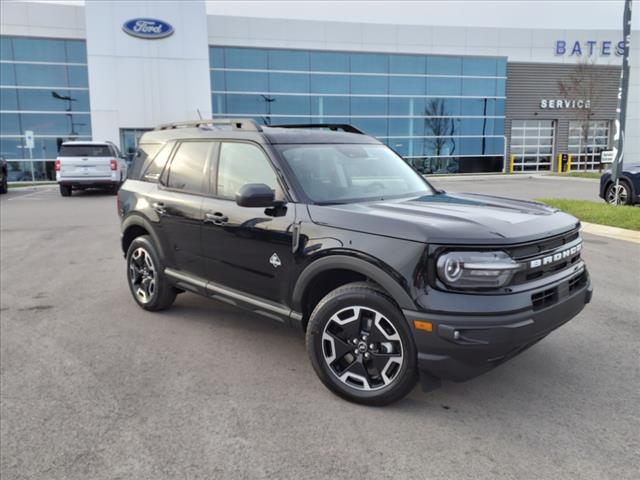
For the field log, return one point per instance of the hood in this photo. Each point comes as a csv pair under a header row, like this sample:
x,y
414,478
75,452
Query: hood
x,y
449,219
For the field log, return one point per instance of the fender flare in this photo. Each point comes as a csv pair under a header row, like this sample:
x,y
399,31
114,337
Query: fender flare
x,y
355,264
139,221
631,186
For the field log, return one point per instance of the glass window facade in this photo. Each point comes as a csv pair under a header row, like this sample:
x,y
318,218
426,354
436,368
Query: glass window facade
x,y
44,87
442,113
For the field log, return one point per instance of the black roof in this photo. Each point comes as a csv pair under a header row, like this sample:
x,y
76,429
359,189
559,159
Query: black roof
x,y
242,128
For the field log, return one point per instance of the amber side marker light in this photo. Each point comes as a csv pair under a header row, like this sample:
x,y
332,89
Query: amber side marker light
x,y
426,326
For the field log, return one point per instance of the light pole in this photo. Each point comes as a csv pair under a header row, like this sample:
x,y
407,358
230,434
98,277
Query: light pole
x,y
621,110
268,100
69,109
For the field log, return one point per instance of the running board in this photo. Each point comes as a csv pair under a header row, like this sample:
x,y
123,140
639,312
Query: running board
x,y
230,296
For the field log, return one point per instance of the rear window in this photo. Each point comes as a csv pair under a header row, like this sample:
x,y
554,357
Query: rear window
x,y
85,151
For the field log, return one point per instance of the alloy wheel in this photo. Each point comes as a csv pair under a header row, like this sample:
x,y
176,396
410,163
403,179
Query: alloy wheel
x,y
362,348
621,191
142,275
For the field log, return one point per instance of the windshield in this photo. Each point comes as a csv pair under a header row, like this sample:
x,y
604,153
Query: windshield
x,y
349,173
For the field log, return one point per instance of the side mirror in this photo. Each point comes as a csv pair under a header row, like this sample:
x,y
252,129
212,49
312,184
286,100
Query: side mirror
x,y
255,195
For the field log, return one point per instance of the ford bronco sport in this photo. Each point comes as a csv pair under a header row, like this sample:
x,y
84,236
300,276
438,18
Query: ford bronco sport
x,y
327,229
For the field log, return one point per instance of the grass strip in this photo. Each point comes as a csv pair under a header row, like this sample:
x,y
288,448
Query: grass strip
x,y
622,216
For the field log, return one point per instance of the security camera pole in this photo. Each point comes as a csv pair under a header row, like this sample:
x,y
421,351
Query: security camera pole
x,y
621,110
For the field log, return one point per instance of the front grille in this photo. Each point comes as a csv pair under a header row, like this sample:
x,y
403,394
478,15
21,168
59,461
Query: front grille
x,y
526,253
541,247
545,298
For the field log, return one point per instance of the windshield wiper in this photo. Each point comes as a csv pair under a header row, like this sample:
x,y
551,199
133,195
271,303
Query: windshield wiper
x,y
330,203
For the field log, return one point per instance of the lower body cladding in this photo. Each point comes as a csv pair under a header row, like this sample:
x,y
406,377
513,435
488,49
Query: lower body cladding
x,y
459,347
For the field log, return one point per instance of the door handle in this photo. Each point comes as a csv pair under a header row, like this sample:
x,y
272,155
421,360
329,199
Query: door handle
x,y
159,208
217,218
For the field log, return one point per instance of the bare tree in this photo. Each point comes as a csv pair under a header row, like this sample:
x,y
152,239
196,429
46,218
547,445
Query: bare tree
x,y
583,87
440,126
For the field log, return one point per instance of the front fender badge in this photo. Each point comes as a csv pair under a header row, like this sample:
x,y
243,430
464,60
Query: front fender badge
x,y
275,261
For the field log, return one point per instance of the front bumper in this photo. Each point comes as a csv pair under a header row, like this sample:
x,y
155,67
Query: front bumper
x,y
462,346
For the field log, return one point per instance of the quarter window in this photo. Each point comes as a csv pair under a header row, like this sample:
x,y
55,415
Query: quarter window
x,y
140,162
242,163
186,171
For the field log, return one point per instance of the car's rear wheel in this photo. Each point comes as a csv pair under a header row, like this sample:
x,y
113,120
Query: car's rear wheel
x,y
65,190
148,285
623,193
361,347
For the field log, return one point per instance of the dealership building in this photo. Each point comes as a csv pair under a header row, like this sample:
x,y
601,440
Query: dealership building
x,y
449,99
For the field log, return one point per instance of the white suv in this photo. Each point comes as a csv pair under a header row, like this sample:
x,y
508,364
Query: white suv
x,y
84,164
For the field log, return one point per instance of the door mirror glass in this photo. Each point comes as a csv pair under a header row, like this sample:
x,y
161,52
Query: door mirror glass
x,y
255,195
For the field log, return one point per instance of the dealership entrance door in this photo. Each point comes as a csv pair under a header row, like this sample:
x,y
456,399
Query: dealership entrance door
x,y
532,143
129,138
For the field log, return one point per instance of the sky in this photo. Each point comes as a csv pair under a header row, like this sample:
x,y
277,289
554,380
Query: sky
x,y
569,14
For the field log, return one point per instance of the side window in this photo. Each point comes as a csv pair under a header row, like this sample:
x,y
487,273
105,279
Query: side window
x,y
186,171
242,163
154,168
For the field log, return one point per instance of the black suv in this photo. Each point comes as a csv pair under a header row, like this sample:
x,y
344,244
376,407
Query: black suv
x,y
327,229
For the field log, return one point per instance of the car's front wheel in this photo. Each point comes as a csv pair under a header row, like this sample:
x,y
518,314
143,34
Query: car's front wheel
x,y
623,193
361,347
148,285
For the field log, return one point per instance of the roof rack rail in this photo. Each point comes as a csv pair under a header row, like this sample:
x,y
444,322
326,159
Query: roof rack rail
x,y
234,123
345,127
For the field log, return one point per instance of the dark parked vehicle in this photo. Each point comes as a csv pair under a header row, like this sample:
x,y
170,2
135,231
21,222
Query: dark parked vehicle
x,y
628,185
327,229
4,174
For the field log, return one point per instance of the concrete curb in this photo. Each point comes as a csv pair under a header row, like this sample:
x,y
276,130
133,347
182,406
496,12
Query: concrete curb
x,y
611,232
472,176
573,179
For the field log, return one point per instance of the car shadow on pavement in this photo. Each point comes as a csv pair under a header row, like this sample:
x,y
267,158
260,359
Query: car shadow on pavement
x,y
536,377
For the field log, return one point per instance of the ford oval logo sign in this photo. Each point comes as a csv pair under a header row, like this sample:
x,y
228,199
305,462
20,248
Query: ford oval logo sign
x,y
149,28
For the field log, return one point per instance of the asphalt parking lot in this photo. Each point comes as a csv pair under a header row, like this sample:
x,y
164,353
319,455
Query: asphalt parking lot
x,y
525,187
93,387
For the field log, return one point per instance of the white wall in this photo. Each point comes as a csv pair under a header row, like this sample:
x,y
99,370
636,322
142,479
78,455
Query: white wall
x,y
518,44
141,83
632,142
41,20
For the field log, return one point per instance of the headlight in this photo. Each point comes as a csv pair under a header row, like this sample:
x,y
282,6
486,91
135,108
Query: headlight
x,y
476,269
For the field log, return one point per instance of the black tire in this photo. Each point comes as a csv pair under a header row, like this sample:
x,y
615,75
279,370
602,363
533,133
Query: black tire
x,y
4,187
163,294
625,192
346,299
65,190
113,189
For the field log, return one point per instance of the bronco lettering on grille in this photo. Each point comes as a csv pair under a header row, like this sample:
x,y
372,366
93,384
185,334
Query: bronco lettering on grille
x,y
556,257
